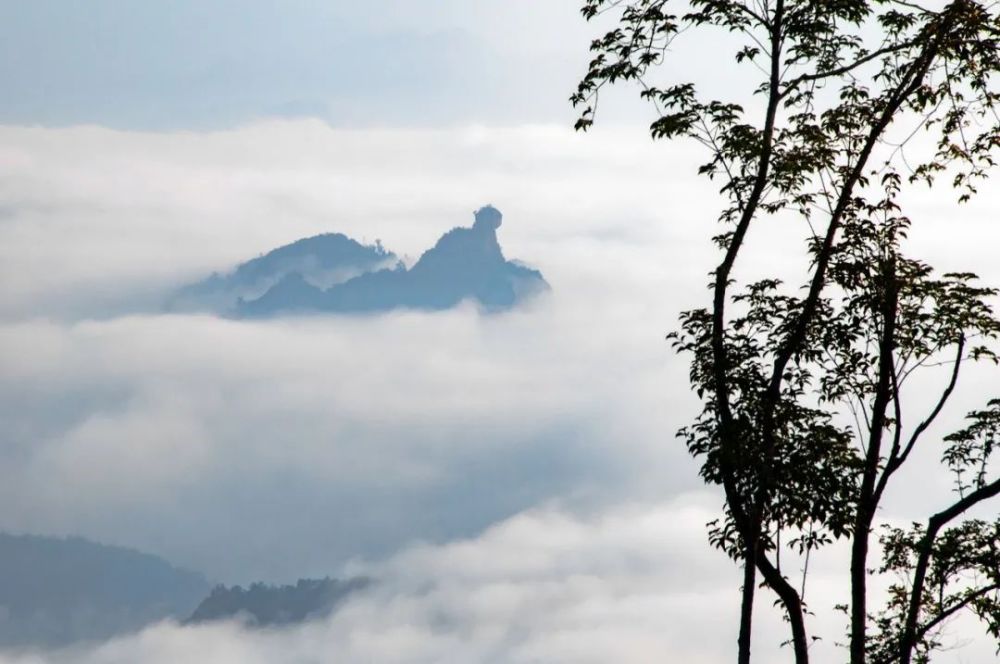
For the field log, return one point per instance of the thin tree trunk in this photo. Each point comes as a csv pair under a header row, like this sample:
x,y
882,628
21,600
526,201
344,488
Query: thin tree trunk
x,y
793,607
866,497
746,607
859,590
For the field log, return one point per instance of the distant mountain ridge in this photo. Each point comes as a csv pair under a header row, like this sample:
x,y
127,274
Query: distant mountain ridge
x,y
55,591
464,264
263,605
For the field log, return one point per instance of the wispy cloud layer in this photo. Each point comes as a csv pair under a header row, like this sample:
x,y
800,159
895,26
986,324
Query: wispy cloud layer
x,y
629,585
632,584
210,440
272,450
91,217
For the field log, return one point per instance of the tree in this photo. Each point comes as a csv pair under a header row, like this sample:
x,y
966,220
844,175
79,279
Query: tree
x,y
806,420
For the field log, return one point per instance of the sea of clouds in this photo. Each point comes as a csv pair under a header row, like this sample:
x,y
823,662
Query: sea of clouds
x,y
512,480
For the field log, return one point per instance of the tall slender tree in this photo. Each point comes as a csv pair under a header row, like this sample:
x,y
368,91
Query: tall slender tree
x,y
805,421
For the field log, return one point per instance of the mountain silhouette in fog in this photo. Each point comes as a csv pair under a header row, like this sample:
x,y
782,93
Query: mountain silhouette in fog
x,y
57,591
324,260
335,274
263,605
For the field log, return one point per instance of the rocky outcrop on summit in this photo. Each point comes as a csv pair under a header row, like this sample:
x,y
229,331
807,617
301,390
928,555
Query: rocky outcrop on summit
x,y
465,264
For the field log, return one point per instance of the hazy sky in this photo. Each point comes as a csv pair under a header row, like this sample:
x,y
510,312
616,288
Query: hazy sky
x,y
512,479
213,63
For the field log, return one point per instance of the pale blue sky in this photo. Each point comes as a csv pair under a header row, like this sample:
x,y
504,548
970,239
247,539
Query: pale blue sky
x,y
208,64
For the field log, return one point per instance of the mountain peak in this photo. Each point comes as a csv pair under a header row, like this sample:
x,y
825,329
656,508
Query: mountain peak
x,y
466,263
487,217
333,273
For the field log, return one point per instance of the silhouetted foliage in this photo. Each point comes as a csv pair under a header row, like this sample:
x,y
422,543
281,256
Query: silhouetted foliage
x,y
805,419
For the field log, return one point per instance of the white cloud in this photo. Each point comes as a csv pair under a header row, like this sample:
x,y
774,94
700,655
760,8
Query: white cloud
x,y
397,423
97,215
631,585
207,439
280,449
635,584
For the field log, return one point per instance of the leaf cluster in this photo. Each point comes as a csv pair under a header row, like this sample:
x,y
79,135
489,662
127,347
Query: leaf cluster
x,y
803,420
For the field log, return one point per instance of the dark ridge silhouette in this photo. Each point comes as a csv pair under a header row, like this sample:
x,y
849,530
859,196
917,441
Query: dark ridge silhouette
x,y
263,605
54,591
323,260
465,264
